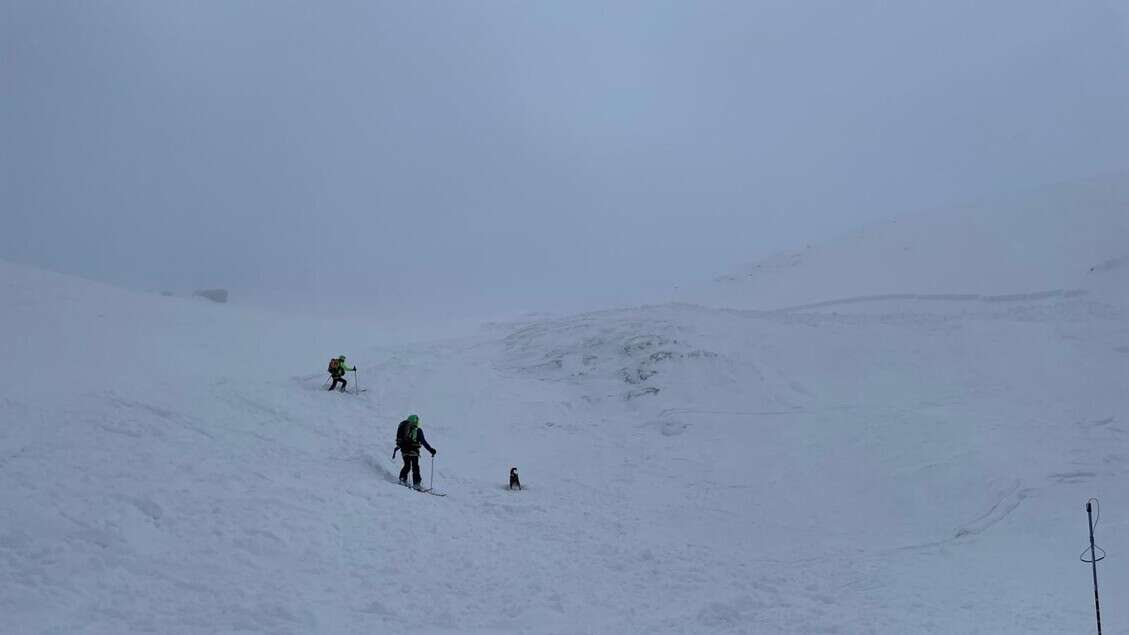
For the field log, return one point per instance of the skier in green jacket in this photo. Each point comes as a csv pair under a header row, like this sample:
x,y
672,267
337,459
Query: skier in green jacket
x,y
337,370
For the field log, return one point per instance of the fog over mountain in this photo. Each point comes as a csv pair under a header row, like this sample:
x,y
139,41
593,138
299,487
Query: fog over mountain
x,y
793,317
476,157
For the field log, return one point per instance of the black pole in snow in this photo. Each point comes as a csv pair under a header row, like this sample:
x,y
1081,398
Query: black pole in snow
x,y
1094,565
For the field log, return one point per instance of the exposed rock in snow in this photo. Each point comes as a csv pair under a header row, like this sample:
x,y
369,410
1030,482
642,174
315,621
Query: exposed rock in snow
x,y
215,295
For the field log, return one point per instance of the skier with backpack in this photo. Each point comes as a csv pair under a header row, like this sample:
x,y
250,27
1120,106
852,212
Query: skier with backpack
x,y
409,438
337,370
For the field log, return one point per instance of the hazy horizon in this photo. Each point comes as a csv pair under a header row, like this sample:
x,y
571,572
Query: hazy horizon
x,y
523,156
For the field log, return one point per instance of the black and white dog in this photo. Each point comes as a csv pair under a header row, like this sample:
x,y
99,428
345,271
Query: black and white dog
x,y
515,482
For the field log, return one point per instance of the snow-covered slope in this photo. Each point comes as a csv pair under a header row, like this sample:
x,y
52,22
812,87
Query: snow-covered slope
x,y
1054,240
886,466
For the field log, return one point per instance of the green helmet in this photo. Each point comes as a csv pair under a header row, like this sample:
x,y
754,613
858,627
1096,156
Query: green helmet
x,y
341,357
413,419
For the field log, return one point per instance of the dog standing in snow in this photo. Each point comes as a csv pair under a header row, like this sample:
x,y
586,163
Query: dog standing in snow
x,y
515,482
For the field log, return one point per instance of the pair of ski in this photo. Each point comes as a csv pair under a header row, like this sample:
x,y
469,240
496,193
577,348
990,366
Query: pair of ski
x,y
429,490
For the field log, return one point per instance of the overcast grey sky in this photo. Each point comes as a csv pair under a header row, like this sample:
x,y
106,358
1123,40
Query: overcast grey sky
x,y
523,155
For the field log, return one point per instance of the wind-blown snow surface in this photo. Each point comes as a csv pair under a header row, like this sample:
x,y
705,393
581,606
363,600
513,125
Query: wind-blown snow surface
x,y
905,466
1059,238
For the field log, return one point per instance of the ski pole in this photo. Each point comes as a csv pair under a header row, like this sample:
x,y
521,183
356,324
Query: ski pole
x,y
1094,563
356,383
432,488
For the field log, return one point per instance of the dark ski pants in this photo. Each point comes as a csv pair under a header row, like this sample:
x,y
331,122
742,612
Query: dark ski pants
x,y
339,379
411,463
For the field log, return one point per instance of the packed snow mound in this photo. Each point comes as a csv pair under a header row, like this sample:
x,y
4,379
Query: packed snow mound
x,y
1061,239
